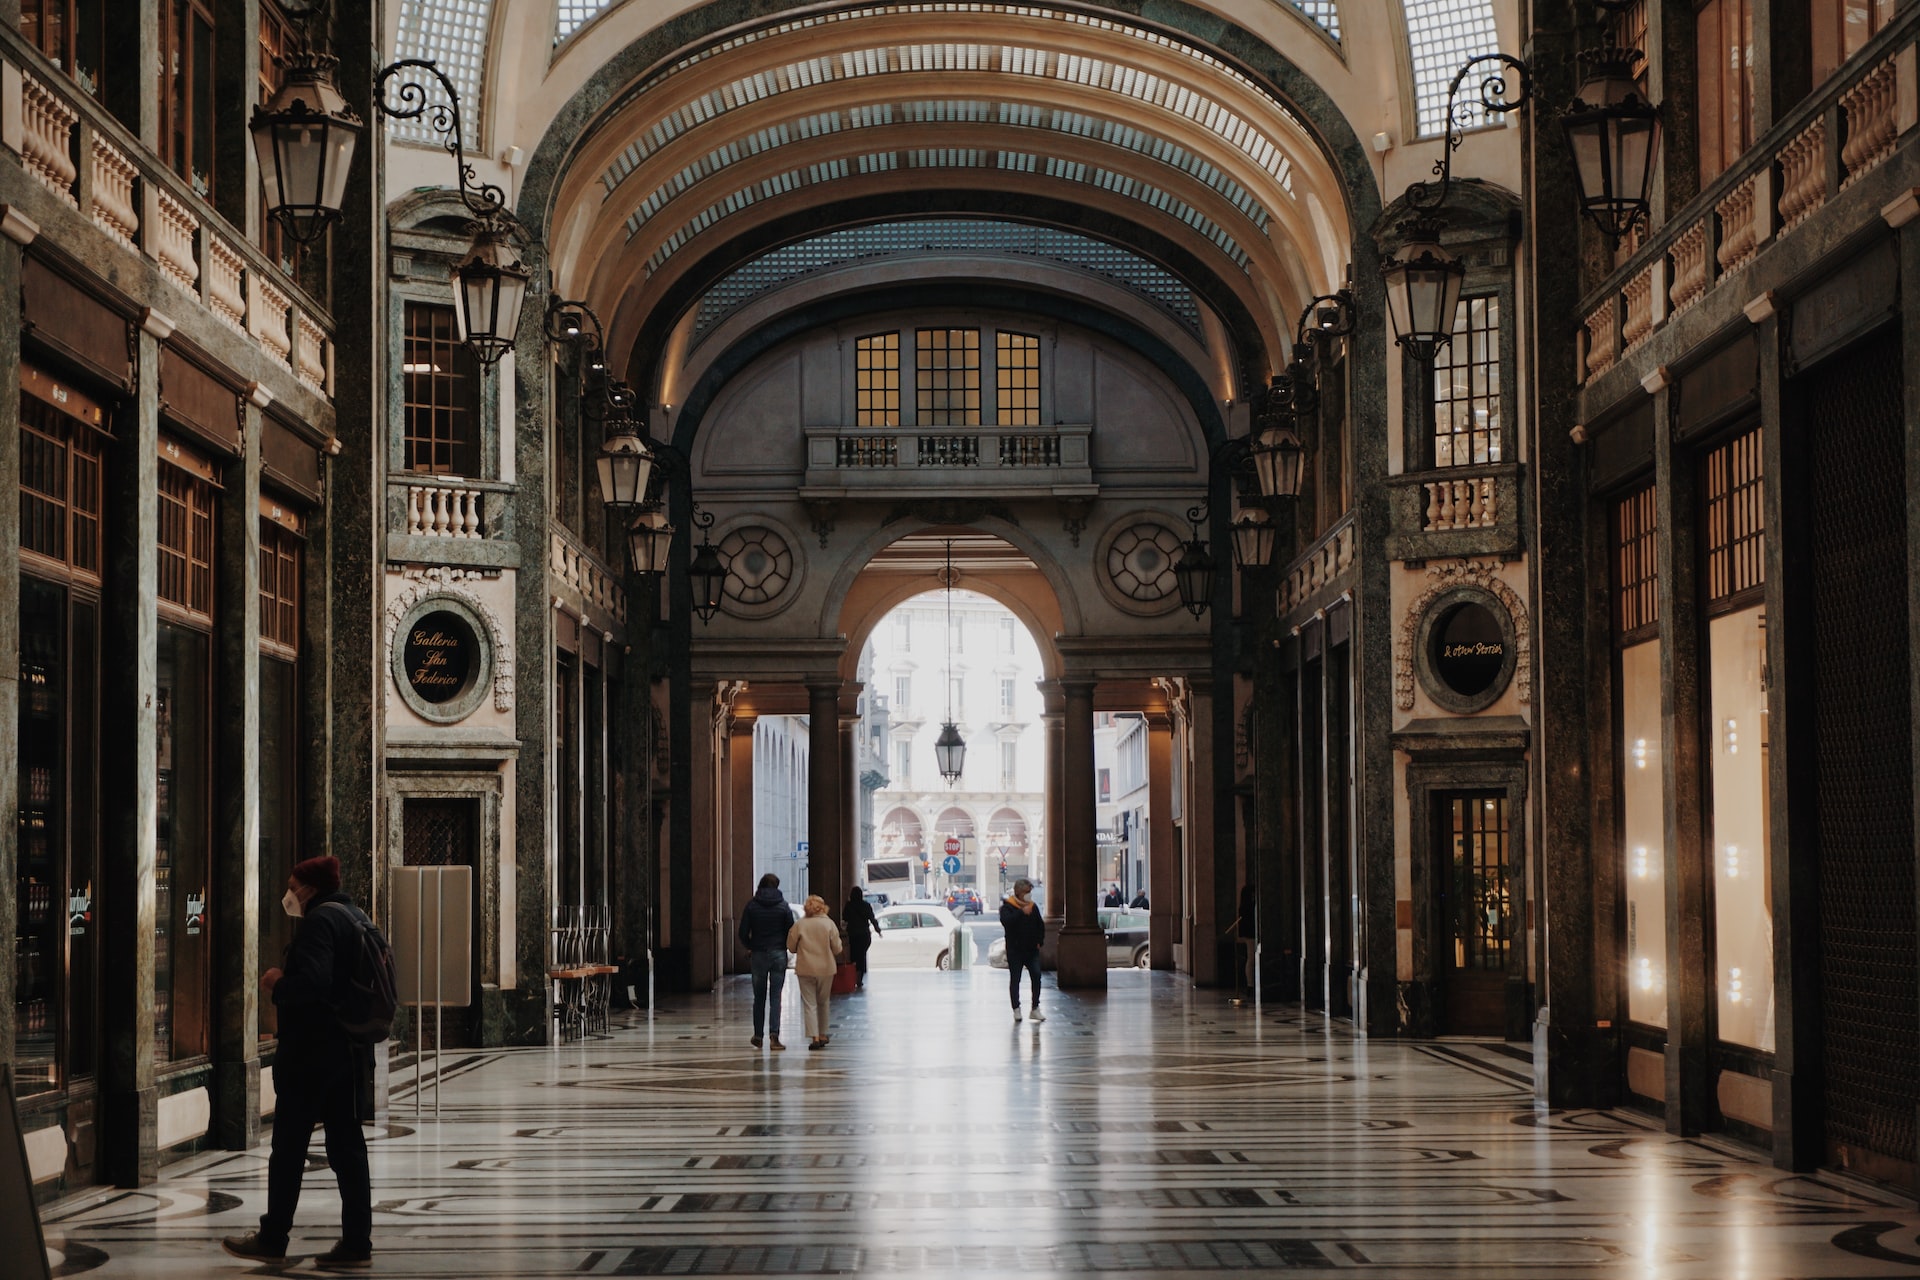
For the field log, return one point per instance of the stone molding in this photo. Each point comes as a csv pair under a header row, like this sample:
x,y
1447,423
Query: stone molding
x,y
1442,578
436,582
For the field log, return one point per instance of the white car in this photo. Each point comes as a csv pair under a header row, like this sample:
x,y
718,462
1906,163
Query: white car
x,y
914,936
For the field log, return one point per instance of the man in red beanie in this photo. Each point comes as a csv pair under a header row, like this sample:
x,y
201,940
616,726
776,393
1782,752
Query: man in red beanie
x,y
319,1075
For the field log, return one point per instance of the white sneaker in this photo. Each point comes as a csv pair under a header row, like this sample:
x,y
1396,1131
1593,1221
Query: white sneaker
x,y
1016,1013
1035,1014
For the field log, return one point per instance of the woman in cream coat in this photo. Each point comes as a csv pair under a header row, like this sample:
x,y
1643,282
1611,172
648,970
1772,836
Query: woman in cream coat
x,y
815,941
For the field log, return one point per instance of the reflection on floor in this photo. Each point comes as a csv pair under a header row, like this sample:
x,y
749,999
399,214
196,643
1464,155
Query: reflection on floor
x,y
1155,1131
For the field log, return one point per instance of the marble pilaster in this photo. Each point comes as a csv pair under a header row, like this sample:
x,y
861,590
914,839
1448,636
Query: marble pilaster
x,y
11,245
826,791
1082,946
1163,865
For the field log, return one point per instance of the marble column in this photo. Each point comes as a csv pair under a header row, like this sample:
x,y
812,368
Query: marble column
x,y
236,874
1083,947
849,809
739,880
1054,853
1211,959
1690,981
17,233
1163,860
129,1100
824,791
707,768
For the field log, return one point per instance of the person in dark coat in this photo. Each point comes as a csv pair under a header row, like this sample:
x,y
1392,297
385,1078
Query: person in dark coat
x,y
1113,898
763,932
859,919
1139,902
319,1075
1026,931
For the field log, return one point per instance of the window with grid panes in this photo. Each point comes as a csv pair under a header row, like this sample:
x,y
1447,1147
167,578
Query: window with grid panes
x,y
1017,378
276,36
1441,35
277,761
59,488
1636,580
1642,789
279,589
1735,519
1841,27
72,33
947,377
186,542
186,91
442,395
876,380
1723,32
1466,388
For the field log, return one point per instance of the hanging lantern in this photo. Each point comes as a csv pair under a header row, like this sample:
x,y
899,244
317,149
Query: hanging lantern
x,y
650,539
1614,134
950,752
304,139
489,286
1193,574
708,577
1423,289
625,465
1253,536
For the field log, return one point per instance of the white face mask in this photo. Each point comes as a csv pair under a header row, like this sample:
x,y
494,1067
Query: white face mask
x,y
290,904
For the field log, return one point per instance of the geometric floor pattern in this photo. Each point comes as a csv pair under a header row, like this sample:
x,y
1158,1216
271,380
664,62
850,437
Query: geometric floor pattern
x,y
1155,1131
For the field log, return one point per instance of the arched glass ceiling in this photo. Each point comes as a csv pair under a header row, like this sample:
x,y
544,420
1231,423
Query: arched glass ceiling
x,y
770,271
571,15
1443,34
452,34
944,158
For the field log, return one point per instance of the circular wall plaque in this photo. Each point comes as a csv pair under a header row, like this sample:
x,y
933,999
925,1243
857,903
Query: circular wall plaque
x,y
442,659
1466,650
439,653
1139,554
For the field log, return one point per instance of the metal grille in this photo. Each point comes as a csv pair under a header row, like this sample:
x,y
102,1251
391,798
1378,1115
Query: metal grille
x,y
1480,871
1736,519
1862,761
439,833
59,488
279,587
1636,573
876,373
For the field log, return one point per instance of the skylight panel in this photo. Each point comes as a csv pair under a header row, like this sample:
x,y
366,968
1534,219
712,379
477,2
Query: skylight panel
x,y
453,35
1442,35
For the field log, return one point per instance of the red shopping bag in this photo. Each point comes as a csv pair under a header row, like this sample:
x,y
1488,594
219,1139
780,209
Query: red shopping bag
x,y
844,978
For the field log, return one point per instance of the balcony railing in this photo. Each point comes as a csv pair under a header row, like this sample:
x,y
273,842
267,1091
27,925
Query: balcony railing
x,y
578,570
77,151
1843,131
876,461
1455,511
1318,567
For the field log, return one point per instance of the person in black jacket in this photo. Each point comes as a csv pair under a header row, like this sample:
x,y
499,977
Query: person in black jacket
x,y
763,932
319,1075
1026,930
859,919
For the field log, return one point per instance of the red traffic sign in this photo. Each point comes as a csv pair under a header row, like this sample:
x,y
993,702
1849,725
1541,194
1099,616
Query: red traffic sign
x,y
952,845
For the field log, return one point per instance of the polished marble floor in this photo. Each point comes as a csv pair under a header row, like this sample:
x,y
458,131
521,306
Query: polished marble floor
x,y
1156,1131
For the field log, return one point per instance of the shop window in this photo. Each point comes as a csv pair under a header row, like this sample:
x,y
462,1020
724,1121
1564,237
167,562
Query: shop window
x,y
281,552
1642,787
442,395
72,33
1723,32
183,704
1466,388
876,380
1017,379
947,377
186,91
57,922
1735,537
1840,28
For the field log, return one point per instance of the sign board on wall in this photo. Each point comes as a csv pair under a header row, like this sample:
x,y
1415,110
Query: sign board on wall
x,y
432,935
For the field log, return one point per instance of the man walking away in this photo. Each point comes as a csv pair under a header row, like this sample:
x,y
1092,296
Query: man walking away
x,y
1026,931
320,1075
763,932
862,927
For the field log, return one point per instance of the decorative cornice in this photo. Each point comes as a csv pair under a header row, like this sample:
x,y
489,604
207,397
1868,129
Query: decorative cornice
x,y
17,226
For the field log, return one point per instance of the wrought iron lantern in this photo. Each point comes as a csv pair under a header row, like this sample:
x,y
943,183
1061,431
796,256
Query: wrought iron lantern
x,y
1193,572
1423,280
1253,538
707,574
650,539
1279,461
490,283
304,137
1614,134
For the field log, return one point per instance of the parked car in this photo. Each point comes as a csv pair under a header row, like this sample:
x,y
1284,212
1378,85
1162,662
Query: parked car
x,y
1126,932
915,936
965,902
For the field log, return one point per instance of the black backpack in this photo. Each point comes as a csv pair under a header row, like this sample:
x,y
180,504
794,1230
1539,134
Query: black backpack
x,y
373,993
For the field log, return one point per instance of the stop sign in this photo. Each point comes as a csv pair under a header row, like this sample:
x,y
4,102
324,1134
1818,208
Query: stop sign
x,y
952,845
